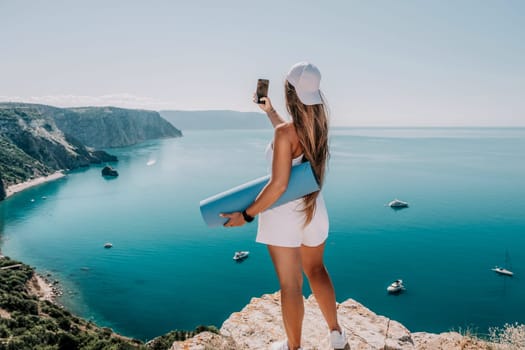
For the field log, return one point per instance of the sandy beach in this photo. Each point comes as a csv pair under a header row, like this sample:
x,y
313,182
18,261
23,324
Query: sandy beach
x,y
30,183
41,288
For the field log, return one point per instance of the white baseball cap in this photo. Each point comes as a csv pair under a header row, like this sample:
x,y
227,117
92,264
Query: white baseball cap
x,y
305,78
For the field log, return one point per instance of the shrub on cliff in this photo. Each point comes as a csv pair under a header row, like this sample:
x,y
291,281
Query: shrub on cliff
x,y
510,336
37,325
166,341
33,324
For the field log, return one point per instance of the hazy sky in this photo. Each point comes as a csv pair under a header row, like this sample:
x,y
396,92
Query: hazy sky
x,y
394,63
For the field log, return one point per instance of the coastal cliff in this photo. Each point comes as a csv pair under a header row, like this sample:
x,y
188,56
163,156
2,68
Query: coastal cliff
x,y
259,324
31,144
104,127
37,140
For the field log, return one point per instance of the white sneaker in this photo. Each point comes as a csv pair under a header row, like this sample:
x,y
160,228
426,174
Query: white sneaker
x,y
280,345
338,340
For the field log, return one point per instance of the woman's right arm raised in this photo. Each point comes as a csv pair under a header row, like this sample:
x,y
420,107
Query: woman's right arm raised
x,y
272,114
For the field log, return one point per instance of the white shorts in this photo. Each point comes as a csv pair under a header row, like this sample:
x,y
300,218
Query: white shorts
x,y
282,226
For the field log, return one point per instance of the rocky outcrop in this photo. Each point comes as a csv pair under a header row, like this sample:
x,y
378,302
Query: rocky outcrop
x,y
259,324
449,340
104,127
109,171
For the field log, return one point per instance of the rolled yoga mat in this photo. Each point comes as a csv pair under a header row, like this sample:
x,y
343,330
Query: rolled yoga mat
x,y
302,182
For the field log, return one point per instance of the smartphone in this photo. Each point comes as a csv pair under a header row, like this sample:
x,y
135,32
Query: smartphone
x,y
262,89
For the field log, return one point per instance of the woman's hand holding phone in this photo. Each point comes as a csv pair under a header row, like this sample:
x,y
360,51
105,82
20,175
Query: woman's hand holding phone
x,y
266,104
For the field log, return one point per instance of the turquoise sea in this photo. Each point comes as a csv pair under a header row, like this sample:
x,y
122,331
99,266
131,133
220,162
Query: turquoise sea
x,y
167,270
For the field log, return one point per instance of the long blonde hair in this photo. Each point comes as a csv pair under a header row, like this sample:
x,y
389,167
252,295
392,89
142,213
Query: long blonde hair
x,y
311,125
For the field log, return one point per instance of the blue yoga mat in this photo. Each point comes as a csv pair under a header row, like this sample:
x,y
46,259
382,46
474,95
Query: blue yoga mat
x,y
302,182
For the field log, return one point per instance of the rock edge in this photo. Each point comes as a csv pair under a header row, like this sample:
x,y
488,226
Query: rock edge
x,y
259,324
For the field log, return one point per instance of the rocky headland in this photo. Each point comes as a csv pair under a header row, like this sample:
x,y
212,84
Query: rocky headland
x,y
38,140
259,324
105,127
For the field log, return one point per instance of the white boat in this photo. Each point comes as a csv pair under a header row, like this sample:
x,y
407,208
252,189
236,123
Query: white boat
x,y
396,203
502,271
396,287
108,245
240,255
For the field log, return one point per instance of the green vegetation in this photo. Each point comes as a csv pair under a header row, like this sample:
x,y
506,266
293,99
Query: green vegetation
x,y
16,165
164,342
27,323
32,324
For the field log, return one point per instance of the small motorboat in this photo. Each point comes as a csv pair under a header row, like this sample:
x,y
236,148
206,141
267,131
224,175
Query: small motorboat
x,y
502,271
241,255
108,245
396,287
396,203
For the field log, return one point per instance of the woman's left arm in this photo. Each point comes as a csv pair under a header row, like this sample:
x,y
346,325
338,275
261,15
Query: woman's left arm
x,y
281,168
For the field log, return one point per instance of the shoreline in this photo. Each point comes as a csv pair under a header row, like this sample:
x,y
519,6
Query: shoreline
x,y
43,289
13,189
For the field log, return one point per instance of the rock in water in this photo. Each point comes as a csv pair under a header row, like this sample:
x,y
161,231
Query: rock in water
x,y
109,171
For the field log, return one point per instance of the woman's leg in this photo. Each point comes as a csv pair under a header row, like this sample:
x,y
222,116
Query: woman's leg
x,y
320,283
287,263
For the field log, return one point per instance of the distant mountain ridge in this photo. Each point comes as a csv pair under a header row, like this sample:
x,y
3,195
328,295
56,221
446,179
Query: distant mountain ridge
x,y
216,119
37,140
104,127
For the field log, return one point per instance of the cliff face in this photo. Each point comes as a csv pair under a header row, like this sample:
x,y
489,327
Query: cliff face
x,y
103,127
259,324
31,144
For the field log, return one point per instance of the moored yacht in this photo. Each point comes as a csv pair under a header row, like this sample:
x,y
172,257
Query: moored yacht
x,y
396,287
502,271
240,255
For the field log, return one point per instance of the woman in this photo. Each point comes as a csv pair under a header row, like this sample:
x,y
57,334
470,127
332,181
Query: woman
x,y
295,232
